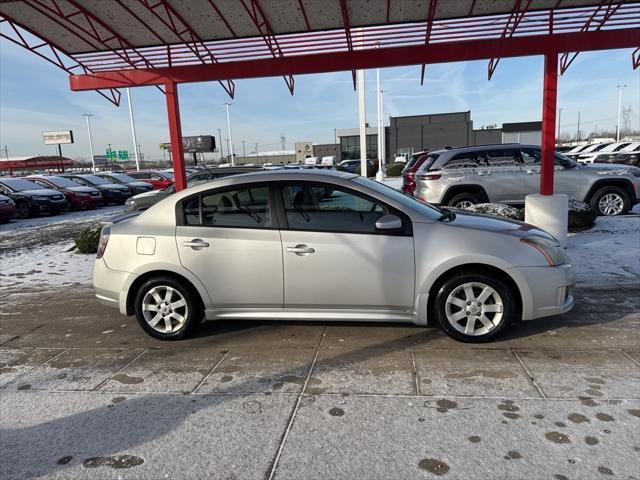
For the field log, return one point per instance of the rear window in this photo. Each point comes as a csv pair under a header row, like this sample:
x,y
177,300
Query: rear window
x,y
621,146
415,160
61,182
19,184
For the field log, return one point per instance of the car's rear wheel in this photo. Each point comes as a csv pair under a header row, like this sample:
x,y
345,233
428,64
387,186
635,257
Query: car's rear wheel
x,y
474,307
611,201
167,310
463,200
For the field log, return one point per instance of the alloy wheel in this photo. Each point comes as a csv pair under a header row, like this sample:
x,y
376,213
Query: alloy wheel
x,y
474,308
464,204
165,309
22,209
611,204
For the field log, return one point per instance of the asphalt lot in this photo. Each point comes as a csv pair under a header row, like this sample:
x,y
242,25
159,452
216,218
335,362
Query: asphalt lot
x,y
84,393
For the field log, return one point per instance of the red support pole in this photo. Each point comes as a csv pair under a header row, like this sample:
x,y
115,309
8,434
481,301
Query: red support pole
x,y
175,133
549,103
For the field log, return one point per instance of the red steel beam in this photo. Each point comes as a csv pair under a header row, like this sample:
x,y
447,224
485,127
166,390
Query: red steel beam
x,y
259,19
171,19
431,15
565,60
304,15
635,57
364,59
175,134
549,104
517,14
347,31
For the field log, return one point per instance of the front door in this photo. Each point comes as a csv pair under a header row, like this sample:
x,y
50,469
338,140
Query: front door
x,y
335,258
227,239
565,180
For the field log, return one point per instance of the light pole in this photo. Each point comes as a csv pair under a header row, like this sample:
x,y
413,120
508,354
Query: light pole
x,y
228,150
620,87
133,129
220,139
244,152
230,137
559,122
93,162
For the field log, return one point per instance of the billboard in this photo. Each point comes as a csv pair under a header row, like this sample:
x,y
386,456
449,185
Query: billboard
x,y
57,138
200,143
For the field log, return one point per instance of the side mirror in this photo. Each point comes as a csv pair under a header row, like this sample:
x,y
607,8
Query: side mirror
x,y
389,222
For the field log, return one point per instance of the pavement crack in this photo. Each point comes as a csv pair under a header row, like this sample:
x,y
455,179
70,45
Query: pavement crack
x,y
102,383
528,373
206,377
33,368
415,373
630,357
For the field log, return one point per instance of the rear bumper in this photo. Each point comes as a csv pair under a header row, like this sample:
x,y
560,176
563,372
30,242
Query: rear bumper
x,y
110,285
545,291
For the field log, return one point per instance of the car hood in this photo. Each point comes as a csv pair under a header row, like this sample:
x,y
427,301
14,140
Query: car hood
x,y
45,192
487,223
81,189
139,184
151,193
112,186
610,169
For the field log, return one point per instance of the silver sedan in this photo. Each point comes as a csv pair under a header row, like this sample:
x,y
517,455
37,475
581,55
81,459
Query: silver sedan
x,y
311,245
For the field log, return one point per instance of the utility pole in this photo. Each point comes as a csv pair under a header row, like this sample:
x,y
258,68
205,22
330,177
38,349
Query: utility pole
x,y
230,149
620,87
283,142
220,139
133,129
93,163
6,152
244,152
578,132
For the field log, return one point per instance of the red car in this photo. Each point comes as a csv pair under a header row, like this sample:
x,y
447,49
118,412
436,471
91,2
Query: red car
x,y
409,172
159,180
78,196
7,209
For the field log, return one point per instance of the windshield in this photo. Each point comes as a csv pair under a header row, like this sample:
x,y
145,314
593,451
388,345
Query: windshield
x,y
19,184
426,209
122,178
563,160
95,179
61,182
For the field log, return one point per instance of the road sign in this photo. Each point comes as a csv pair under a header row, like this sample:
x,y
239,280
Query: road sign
x,y
123,155
100,160
111,154
165,146
57,138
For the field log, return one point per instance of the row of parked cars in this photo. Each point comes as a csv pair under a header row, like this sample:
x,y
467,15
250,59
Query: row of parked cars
x,y
24,197
624,153
506,173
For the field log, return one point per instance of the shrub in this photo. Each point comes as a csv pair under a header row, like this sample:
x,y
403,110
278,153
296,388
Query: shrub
x,y
395,169
497,210
87,240
371,170
581,214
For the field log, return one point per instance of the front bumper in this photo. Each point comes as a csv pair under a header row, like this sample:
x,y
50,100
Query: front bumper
x,y
53,206
115,197
545,291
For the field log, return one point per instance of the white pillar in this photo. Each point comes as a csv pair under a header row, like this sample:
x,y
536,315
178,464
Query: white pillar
x,y
380,175
362,122
133,130
550,213
230,137
93,162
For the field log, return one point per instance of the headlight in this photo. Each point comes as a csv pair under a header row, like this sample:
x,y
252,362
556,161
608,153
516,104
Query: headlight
x,y
553,253
129,201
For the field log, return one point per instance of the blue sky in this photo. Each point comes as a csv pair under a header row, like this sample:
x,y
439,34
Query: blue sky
x,y
35,96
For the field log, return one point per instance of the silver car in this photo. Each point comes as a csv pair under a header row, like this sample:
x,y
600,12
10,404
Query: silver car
x,y
317,245
461,177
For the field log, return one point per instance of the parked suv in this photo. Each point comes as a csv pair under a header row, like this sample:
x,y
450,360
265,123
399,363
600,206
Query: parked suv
x,y
461,177
408,173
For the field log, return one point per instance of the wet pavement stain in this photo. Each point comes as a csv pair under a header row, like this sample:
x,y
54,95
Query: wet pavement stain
x,y
26,386
126,379
605,470
474,439
597,380
578,418
116,461
560,424
445,405
336,412
591,441
277,385
588,402
226,378
557,437
252,406
539,416
434,466
510,415
634,412
604,417
594,393
64,460
508,407
513,455
559,476
115,400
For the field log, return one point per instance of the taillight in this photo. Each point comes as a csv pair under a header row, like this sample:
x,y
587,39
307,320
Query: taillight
x,y
104,239
430,176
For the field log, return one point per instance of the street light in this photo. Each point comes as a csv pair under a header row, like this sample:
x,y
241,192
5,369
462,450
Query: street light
x,y
619,87
93,163
230,137
220,139
244,153
133,130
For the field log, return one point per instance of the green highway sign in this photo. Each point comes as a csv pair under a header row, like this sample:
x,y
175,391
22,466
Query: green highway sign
x,y
111,154
123,155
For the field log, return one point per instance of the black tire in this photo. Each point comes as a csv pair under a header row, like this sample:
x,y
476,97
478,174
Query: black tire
x,y
194,311
500,323
22,210
463,197
611,190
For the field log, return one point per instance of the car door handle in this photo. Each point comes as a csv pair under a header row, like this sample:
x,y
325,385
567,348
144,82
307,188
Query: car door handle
x,y
533,172
300,250
195,243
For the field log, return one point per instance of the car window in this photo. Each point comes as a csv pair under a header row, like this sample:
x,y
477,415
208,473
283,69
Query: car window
x,y
465,160
96,180
503,157
61,182
322,207
19,184
243,208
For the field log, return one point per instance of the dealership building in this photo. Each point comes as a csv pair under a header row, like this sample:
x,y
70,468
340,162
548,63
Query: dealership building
x,y
409,134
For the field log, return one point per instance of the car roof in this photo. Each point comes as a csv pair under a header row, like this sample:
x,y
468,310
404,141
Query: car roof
x,y
488,146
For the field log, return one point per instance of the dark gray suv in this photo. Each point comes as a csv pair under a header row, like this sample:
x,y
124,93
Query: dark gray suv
x,y
461,177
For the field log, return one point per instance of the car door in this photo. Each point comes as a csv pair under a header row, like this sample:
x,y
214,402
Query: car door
x,y
505,178
228,238
565,180
334,258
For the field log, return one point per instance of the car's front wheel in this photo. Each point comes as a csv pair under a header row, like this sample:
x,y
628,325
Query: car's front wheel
x,y
474,307
611,201
166,309
22,210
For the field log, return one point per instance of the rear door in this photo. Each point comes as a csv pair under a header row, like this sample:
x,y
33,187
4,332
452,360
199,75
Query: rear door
x,y
505,176
229,239
335,258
